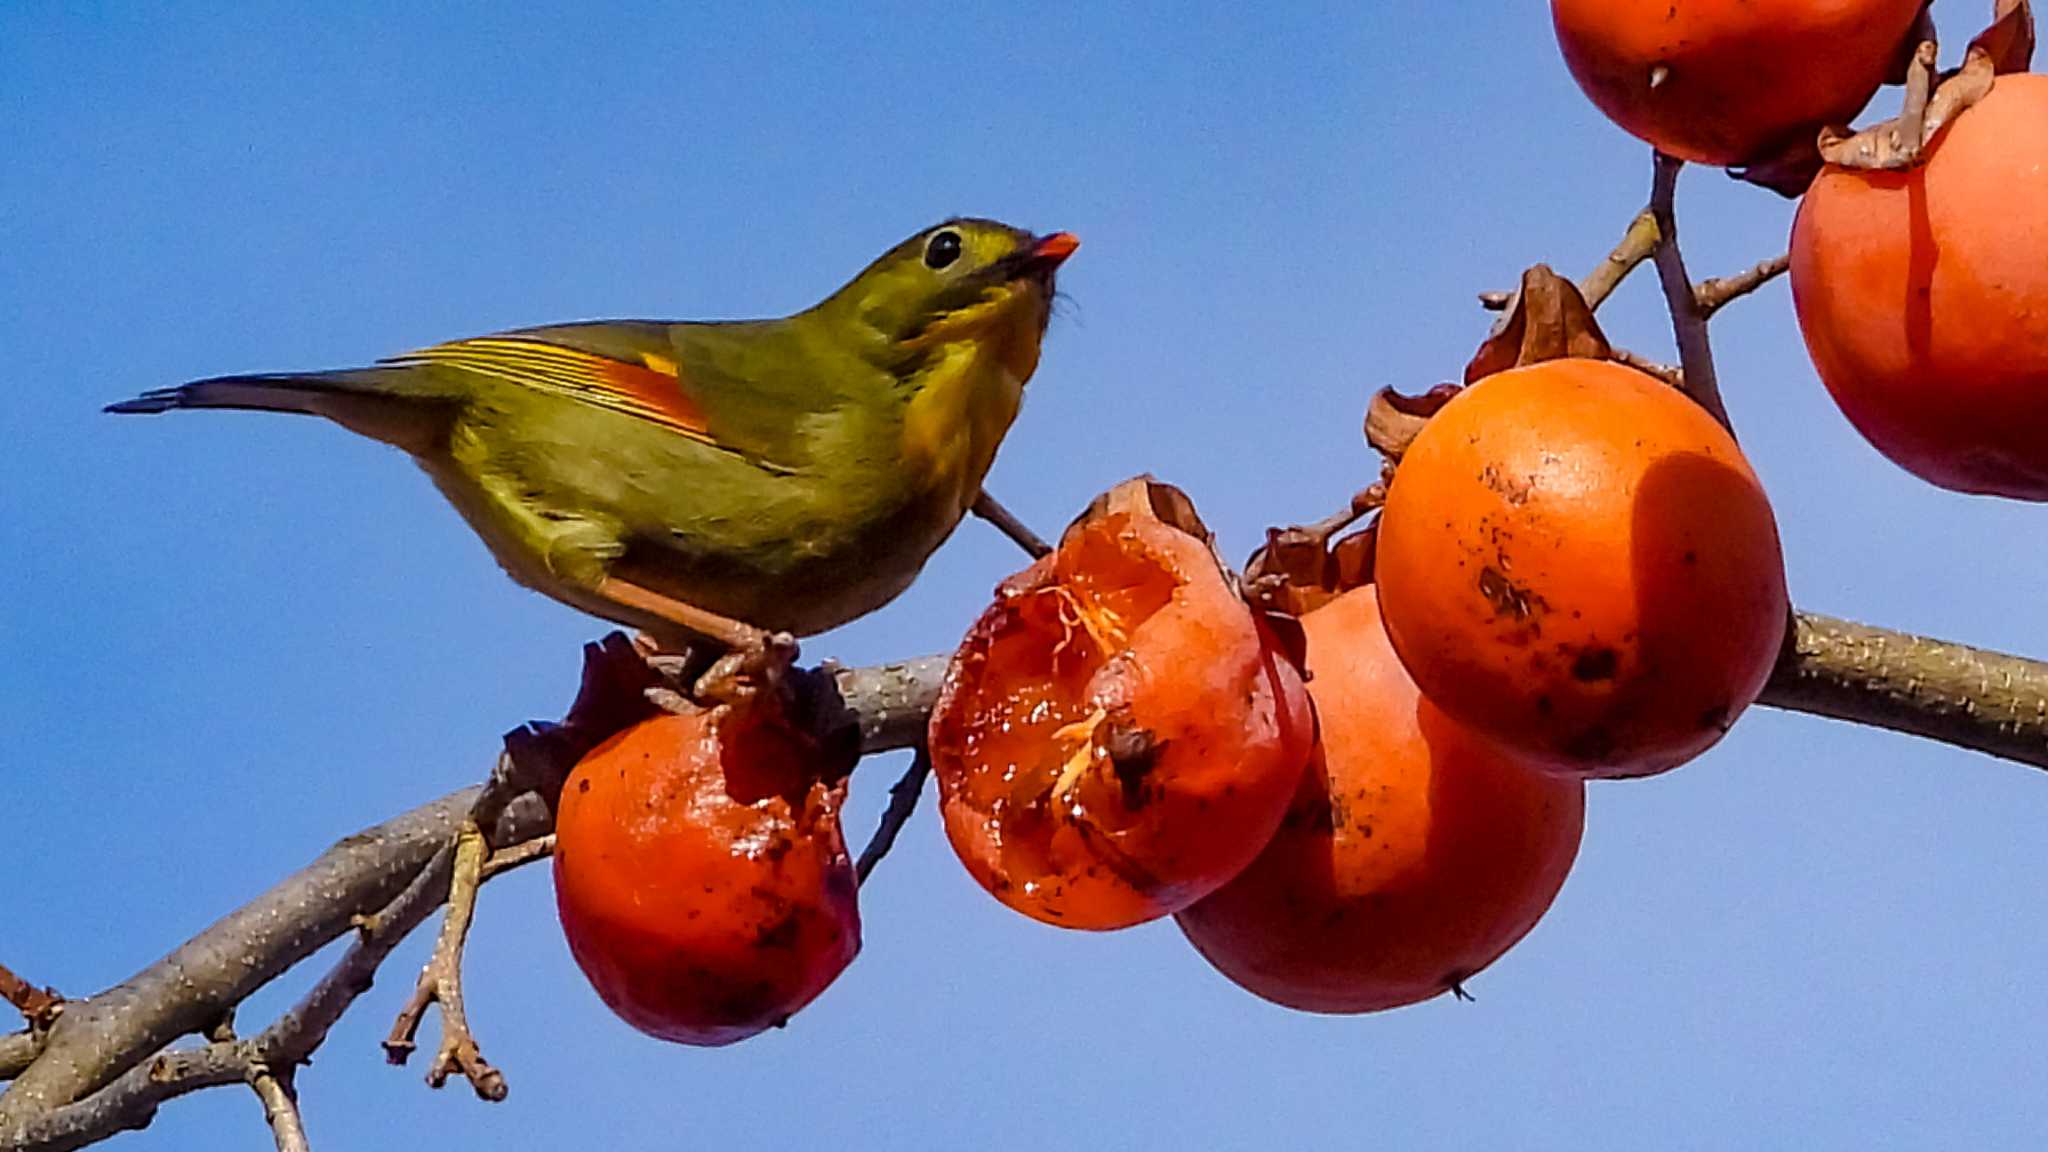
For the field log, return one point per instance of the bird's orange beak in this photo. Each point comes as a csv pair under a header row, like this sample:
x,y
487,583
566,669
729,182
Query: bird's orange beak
x,y
1051,250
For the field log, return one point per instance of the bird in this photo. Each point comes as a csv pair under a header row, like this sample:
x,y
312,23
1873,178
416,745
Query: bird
x,y
742,482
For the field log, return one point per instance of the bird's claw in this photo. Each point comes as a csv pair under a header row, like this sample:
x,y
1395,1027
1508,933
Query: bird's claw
x,y
746,671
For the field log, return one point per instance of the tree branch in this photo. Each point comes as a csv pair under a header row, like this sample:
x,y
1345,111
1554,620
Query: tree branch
x,y
1969,697
902,804
280,1109
17,1051
94,1075
1688,318
1716,292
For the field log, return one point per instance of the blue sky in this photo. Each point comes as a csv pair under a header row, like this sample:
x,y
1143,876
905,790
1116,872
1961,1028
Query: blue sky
x,y
228,640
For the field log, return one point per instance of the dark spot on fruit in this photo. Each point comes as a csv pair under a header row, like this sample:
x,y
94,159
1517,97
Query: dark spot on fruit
x,y
583,786
1596,664
1507,597
1512,490
1133,753
1544,707
1691,557
1717,718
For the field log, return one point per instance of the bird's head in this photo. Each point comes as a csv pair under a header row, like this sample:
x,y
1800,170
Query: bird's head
x,y
964,279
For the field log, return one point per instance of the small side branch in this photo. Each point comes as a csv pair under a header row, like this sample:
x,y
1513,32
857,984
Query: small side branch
x,y
1688,320
990,509
441,983
1716,292
902,804
280,1108
1638,244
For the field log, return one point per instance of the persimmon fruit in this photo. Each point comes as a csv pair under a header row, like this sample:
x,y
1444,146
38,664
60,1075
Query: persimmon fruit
x,y
1923,297
1576,560
701,876
1415,852
1119,734
1730,82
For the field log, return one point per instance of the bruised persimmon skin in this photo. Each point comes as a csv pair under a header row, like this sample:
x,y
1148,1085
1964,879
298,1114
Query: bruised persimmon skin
x,y
1415,853
1576,560
1739,78
701,877
1923,297
1117,735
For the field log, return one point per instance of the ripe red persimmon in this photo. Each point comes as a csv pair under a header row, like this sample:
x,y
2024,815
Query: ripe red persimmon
x,y
1118,734
1414,854
1923,296
700,874
1576,560
1730,82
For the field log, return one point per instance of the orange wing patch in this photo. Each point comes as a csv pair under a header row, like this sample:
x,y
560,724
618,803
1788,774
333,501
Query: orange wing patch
x,y
651,390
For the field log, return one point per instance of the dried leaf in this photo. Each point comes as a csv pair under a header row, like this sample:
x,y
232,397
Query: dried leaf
x,y
1300,570
1393,418
2009,42
1547,320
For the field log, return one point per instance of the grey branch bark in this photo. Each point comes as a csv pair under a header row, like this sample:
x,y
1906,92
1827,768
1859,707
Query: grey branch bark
x,y
95,1075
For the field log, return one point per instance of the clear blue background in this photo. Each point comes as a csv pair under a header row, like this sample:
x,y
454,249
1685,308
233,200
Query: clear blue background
x,y
226,640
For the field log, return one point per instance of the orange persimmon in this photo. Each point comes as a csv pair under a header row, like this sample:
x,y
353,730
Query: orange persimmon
x,y
1923,297
1576,560
700,874
1118,734
1414,855
1729,82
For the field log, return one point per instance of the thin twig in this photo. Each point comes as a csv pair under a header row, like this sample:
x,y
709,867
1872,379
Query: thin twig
x,y
280,1108
517,856
1689,323
1716,292
902,803
1664,372
1638,244
990,509
440,982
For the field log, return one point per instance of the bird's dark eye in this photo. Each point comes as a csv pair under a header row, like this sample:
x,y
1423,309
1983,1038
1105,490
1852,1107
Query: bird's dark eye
x,y
942,249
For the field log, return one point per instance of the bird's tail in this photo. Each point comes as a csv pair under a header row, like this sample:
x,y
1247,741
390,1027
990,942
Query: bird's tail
x,y
362,400
283,392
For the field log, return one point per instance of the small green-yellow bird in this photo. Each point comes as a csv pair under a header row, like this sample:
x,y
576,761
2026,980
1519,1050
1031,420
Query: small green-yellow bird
x,y
725,479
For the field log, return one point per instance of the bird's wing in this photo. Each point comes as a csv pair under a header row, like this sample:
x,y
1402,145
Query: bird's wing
x,y
629,367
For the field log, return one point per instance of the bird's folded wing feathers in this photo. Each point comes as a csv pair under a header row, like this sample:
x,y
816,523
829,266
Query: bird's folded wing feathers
x,y
627,367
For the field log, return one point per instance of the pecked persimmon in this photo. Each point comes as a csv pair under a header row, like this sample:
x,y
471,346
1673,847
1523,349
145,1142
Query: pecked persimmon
x,y
1118,735
1730,82
1415,853
700,874
1576,560
1923,297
